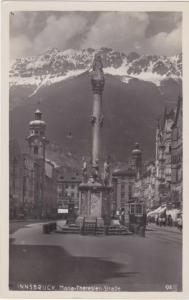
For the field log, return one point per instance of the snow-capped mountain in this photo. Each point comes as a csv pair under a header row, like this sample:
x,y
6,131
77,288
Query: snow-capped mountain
x,y
136,90
54,66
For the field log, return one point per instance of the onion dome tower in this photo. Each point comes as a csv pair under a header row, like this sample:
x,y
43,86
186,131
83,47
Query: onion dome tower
x,y
137,160
37,139
37,147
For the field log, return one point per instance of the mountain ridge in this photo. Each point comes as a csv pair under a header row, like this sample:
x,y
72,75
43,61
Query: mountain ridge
x,y
55,65
131,103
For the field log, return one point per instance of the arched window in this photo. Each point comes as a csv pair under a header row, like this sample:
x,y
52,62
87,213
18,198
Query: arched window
x,y
35,150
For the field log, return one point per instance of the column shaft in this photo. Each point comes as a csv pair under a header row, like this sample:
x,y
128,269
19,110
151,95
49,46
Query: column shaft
x,y
97,107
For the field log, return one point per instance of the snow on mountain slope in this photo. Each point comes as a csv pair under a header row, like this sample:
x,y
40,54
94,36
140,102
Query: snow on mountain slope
x,y
54,66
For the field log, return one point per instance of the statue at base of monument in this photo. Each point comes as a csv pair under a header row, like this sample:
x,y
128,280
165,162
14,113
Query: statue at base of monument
x,y
84,170
95,170
106,173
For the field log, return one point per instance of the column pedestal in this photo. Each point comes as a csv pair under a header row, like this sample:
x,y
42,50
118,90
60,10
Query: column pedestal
x,y
94,203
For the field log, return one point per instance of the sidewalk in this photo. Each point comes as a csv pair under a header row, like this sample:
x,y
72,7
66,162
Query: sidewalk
x,y
153,226
15,225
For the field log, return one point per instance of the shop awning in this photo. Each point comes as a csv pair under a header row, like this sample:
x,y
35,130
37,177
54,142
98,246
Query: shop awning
x,y
157,211
173,213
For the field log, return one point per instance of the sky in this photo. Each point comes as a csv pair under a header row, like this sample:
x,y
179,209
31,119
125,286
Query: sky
x,y
34,32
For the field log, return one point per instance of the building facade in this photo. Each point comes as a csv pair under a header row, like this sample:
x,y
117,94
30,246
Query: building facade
x,y
32,179
161,180
144,187
123,184
163,159
176,157
15,178
28,204
68,181
50,183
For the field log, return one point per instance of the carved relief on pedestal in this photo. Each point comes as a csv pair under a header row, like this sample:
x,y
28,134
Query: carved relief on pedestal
x,y
96,204
84,204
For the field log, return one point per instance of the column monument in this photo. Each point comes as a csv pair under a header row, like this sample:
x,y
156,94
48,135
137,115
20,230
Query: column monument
x,y
94,202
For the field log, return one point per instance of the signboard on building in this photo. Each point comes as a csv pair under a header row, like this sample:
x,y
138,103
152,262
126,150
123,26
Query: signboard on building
x,y
62,211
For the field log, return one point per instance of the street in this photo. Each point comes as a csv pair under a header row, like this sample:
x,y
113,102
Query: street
x,y
129,263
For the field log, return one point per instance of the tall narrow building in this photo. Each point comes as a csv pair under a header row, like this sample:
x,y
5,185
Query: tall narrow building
x,y
177,158
37,139
137,160
163,158
37,142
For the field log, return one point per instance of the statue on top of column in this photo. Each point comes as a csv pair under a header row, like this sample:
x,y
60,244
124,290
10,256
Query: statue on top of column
x,y
97,76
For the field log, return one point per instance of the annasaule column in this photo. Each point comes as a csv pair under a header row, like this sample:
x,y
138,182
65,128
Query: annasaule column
x,y
97,81
95,188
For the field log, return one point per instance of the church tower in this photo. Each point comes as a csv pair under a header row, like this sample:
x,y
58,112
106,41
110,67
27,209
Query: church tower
x,y
37,139
137,160
37,142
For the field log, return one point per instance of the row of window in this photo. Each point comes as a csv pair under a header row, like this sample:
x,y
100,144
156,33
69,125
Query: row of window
x,y
136,209
176,175
123,193
177,159
37,132
66,186
66,194
61,177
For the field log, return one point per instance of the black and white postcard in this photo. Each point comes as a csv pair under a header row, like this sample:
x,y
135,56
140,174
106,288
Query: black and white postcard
x,y
95,149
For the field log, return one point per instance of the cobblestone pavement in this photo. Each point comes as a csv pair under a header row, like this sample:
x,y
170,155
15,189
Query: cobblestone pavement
x,y
127,263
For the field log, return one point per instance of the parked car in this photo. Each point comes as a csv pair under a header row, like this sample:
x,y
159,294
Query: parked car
x,y
179,221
